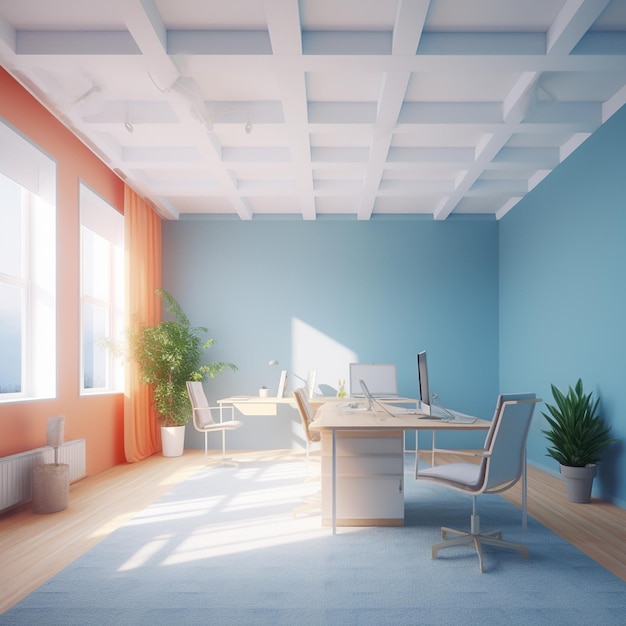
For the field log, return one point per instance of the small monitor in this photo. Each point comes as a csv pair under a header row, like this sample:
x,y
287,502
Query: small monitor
x,y
380,378
422,375
367,394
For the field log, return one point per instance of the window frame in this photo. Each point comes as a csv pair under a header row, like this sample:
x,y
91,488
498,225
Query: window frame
x,y
34,172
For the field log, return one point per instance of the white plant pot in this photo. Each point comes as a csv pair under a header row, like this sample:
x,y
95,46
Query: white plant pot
x,y
578,482
173,440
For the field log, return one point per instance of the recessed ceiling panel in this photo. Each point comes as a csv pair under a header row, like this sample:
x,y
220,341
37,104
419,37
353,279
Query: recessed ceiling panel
x,y
353,108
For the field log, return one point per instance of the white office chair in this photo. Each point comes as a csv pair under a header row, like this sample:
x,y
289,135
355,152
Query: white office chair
x,y
506,397
501,466
203,417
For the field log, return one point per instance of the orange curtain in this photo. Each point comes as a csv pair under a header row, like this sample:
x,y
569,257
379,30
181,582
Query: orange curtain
x,y
143,276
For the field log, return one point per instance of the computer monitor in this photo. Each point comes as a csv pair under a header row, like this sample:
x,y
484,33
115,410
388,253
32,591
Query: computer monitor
x,y
422,375
381,379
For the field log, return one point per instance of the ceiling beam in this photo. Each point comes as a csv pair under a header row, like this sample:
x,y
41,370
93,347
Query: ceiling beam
x,y
571,24
283,21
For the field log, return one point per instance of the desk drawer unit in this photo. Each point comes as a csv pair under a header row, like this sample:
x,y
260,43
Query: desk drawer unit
x,y
370,475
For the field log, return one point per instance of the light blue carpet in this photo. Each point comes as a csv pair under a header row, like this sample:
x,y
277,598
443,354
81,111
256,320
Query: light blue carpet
x,y
223,548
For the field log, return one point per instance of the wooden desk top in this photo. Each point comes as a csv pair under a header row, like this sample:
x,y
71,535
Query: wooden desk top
x,y
316,401
257,400
335,416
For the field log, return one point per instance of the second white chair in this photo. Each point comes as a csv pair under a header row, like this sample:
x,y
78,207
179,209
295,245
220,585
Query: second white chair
x,y
203,416
306,417
313,501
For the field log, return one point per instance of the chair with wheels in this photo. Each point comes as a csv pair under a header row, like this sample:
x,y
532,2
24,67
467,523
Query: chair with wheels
x,y
500,466
203,416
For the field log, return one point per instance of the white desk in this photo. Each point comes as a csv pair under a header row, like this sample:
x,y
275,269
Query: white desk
x,y
363,463
266,405
255,405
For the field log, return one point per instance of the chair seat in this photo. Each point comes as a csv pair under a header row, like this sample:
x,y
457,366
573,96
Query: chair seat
x,y
462,475
230,425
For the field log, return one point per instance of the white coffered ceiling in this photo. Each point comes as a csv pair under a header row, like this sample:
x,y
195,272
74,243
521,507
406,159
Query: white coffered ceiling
x,y
313,108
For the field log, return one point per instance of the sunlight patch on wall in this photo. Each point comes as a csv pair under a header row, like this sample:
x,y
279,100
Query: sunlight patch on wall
x,y
311,349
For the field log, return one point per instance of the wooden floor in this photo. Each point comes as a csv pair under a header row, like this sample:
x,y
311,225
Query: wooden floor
x,y
34,547
598,529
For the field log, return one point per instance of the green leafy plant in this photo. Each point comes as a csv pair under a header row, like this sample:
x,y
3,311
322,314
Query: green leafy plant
x,y
577,433
168,355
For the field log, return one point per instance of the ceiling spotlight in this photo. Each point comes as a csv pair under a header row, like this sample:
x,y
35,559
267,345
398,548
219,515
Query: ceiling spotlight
x,y
248,128
89,102
87,94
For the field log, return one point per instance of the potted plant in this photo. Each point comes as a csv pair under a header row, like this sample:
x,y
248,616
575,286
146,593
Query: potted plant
x,y
577,436
168,355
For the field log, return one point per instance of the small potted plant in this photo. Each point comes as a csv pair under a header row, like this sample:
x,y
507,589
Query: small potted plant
x,y
168,355
577,435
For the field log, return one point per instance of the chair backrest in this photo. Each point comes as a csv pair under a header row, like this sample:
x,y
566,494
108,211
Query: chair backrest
x,y
504,397
306,414
202,415
505,464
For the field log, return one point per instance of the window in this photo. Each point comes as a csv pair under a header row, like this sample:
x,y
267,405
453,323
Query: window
x,y
12,287
27,270
102,293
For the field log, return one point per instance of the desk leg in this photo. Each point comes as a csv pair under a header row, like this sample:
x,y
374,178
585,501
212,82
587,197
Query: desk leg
x,y
434,443
334,481
417,451
524,489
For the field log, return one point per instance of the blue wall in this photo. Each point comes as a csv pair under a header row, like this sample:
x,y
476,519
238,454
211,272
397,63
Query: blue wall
x,y
318,295
563,294
535,299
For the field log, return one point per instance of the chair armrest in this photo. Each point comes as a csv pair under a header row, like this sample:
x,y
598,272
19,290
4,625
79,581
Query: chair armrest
x,y
221,409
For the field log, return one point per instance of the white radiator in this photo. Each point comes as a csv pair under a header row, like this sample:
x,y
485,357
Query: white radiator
x,y
16,470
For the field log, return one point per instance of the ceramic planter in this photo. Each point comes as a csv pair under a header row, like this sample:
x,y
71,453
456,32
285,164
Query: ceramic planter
x,y
578,482
173,440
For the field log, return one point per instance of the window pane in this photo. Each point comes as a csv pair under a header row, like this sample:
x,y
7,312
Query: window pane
x,y
10,339
95,329
11,231
102,280
28,365
96,266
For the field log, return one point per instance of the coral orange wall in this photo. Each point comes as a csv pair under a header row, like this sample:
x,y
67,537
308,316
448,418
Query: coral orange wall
x,y
98,419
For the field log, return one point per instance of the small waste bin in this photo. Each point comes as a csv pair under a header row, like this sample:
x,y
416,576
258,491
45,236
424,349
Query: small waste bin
x,y
51,487
51,481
